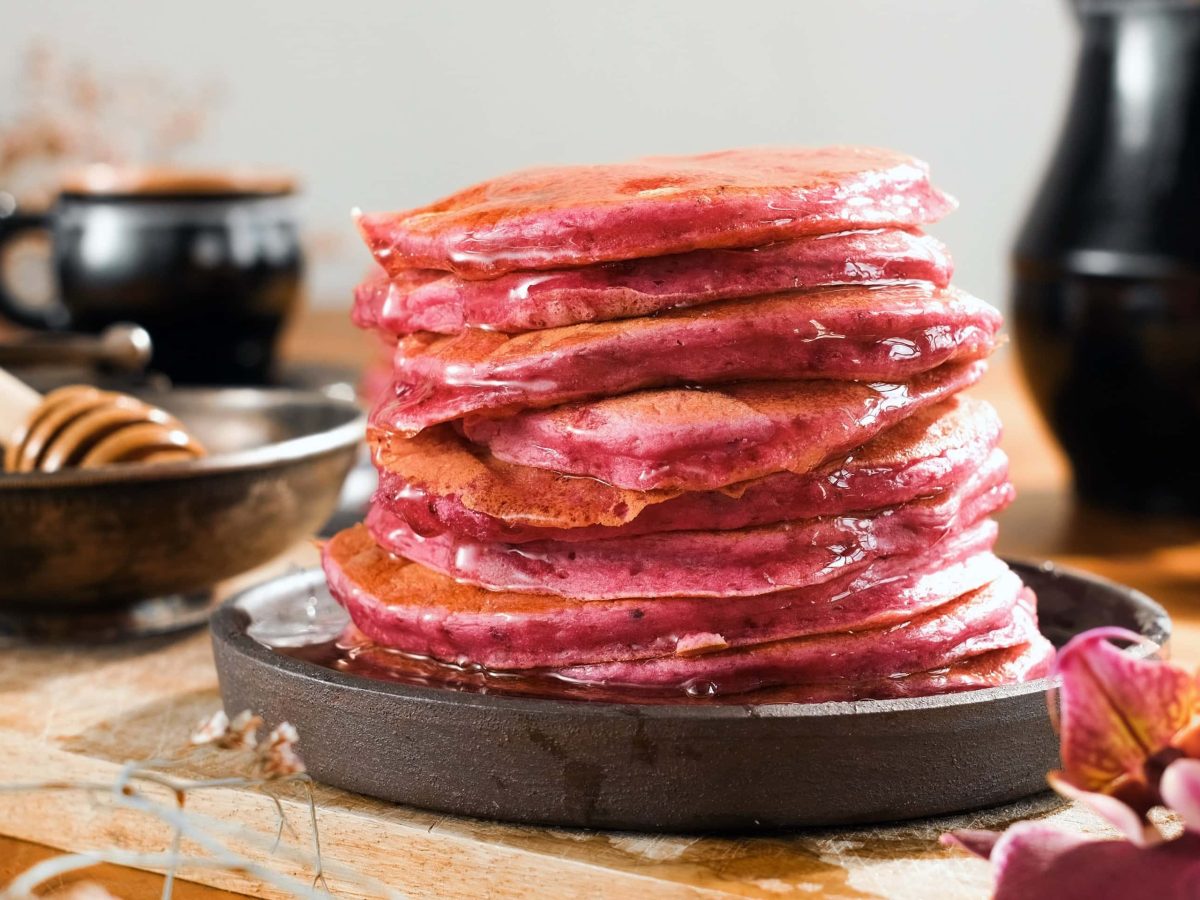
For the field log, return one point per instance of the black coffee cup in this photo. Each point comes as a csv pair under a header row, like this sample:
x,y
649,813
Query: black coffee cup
x,y
208,262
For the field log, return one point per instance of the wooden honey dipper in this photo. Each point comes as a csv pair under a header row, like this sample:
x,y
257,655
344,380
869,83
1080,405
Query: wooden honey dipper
x,y
84,427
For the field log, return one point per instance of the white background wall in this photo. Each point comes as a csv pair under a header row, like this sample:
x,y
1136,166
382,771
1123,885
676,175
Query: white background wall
x,y
390,104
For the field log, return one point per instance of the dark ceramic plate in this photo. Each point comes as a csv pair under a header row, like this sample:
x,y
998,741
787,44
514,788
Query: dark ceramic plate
x,y
659,767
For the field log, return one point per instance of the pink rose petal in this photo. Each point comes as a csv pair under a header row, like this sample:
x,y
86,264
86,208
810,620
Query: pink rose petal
x,y
1119,815
1034,861
972,840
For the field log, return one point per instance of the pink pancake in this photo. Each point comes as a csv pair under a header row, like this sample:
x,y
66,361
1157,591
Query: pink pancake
x,y
998,616
995,668
406,606
429,300
736,563
557,216
859,333
710,438
438,482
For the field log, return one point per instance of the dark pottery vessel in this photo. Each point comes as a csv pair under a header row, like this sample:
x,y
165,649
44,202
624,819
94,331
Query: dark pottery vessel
x,y
1107,266
209,263
82,541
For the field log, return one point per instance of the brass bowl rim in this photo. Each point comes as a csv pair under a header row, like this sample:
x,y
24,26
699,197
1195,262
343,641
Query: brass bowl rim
x,y
340,437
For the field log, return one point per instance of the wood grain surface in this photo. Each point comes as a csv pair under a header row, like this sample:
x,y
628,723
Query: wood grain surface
x,y
79,713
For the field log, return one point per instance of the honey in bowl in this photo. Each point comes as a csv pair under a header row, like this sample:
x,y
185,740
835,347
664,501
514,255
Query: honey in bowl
x,y
84,427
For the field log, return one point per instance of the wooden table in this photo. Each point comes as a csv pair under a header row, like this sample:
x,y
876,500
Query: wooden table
x,y
160,691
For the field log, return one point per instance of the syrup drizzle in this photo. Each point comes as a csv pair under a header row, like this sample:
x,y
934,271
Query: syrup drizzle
x,y
319,632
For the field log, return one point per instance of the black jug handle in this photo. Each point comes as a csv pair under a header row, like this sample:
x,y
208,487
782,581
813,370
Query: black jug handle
x,y
53,317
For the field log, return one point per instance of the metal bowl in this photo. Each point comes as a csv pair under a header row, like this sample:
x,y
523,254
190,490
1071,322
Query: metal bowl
x,y
86,541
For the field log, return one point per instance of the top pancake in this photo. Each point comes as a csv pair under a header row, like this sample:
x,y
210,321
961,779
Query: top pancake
x,y
559,216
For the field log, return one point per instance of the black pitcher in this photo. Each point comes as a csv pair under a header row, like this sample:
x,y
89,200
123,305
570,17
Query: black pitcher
x,y
1107,265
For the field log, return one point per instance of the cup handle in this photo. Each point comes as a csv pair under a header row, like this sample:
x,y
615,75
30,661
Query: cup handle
x,y
51,318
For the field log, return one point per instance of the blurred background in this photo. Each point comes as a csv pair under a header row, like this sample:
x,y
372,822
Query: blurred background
x,y
386,104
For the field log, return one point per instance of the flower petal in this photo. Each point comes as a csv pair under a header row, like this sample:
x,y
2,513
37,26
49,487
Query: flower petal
x,y
972,840
1180,789
1034,861
1126,820
1117,710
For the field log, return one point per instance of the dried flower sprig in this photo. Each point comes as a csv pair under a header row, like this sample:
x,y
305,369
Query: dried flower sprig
x,y
265,767
69,113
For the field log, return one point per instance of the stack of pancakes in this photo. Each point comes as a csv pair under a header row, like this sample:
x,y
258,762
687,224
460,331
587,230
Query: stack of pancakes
x,y
688,423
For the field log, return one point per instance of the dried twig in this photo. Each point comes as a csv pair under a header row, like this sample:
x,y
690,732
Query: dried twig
x,y
269,765
69,113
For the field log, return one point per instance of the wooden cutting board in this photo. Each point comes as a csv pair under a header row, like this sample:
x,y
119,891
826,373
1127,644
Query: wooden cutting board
x,y
78,714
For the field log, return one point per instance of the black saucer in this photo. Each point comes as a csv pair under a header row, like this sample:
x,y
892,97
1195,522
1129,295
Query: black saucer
x,y
661,767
